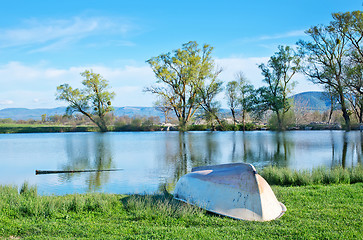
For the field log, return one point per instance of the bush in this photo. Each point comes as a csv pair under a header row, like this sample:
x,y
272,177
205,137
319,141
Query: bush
x,y
135,124
288,120
198,127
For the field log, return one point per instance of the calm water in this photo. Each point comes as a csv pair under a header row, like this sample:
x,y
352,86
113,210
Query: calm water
x,y
152,160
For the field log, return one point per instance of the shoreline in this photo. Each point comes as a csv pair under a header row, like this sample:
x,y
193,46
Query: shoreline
x,y
40,128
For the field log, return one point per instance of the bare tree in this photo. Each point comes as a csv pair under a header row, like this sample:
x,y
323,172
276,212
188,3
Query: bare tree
x,y
163,106
246,92
325,58
232,98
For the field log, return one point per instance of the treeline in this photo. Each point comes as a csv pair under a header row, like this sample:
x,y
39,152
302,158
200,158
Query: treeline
x,y
188,78
188,81
78,122
301,119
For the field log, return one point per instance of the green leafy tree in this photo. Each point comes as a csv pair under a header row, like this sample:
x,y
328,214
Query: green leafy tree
x,y
44,117
94,101
278,74
180,75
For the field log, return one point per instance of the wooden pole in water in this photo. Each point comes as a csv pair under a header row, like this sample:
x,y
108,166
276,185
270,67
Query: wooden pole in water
x,y
39,172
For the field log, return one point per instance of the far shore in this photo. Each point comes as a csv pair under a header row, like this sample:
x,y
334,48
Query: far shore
x,y
47,128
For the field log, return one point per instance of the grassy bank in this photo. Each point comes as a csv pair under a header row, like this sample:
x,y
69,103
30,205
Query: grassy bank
x,y
140,127
313,212
40,128
287,177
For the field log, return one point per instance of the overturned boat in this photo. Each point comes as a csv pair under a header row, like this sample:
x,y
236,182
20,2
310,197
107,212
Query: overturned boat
x,y
233,190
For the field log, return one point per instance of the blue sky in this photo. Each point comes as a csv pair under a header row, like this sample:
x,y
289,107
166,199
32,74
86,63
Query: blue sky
x,y
47,43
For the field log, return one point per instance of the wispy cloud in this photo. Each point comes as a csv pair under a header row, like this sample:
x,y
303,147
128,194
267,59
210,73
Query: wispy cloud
x,y
45,34
298,33
291,34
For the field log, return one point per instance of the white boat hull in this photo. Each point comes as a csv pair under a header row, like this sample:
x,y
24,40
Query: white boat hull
x,y
233,190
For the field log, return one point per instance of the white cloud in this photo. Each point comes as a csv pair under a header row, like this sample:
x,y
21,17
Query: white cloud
x,y
6,102
249,66
46,34
34,86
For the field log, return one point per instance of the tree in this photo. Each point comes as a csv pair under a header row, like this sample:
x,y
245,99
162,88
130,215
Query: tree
x,y
246,92
94,101
325,58
44,118
278,74
350,25
232,98
180,75
207,93
333,96
163,106
239,94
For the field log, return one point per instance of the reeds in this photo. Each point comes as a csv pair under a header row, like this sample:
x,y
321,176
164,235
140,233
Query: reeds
x,y
287,177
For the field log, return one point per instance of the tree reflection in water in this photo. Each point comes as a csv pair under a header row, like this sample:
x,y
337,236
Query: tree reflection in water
x,y
168,156
88,151
191,150
347,149
297,150
198,149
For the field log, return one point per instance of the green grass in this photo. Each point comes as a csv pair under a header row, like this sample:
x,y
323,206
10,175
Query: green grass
x,y
313,212
39,128
287,177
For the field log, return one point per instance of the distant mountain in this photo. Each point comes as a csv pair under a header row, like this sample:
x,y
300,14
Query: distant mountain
x,y
36,114
316,101
138,111
25,113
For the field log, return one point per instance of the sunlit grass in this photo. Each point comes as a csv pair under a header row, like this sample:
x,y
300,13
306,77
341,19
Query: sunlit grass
x,y
313,212
287,177
40,128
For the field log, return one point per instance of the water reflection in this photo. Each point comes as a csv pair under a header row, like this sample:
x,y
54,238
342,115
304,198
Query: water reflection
x,y
88,151
297,150
153,160
346,150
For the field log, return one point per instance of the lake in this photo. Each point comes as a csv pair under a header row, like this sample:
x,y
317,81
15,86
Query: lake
x,y
154,160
